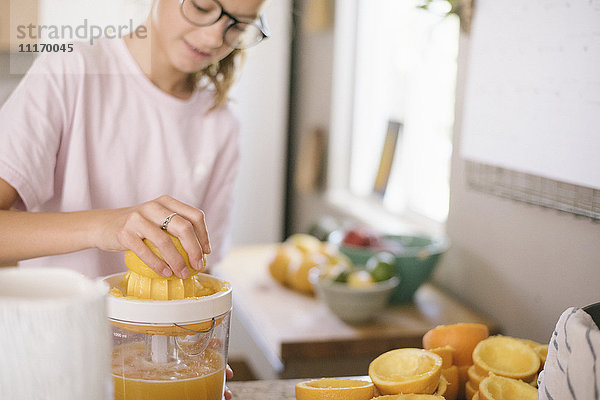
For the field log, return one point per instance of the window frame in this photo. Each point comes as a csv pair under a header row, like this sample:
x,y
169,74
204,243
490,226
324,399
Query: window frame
x,y
367,209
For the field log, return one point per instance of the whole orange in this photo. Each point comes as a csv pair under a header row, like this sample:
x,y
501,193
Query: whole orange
x,y
462,336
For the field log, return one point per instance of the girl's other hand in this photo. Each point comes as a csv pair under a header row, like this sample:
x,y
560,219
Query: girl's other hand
x,y
228,375
125,228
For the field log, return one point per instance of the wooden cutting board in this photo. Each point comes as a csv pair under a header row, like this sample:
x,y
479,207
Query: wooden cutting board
x,y
303,333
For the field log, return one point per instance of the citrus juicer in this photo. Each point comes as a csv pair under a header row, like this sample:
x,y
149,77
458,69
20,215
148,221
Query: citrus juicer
x,y
170,335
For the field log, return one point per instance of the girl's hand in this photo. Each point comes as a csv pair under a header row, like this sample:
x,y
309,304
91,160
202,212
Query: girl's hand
x,y
228,375
125,229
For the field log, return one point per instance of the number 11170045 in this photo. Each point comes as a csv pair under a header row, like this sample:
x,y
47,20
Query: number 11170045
x,y
45,47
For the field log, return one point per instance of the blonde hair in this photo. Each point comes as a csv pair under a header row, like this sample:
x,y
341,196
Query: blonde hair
x,y
220,76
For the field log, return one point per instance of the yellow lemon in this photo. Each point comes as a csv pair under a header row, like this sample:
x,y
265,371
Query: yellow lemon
x,y
360,279
135,264
406,370
283,257
305,243
334,389
298,274
506,356
333,255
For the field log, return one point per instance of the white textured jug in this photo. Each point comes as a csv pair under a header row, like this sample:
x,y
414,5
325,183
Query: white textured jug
x,y
55,338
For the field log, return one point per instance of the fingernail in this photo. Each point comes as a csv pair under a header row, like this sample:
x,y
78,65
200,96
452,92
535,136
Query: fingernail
x,y
167,272
185,273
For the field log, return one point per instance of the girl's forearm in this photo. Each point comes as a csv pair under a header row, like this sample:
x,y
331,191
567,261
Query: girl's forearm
x,y
25,235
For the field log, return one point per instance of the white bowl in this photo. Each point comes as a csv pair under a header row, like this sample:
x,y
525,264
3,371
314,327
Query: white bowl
x,y
356,305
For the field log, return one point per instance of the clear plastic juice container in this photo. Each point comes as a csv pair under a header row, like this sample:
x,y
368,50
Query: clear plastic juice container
x,y
169,349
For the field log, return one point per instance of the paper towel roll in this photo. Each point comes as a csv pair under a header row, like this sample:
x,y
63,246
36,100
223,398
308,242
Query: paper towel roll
x,y
55,338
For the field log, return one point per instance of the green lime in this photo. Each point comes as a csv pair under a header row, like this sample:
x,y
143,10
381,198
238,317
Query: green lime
x,y
342,276
381,266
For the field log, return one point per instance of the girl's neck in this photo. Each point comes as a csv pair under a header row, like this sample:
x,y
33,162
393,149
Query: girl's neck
x,y
155,65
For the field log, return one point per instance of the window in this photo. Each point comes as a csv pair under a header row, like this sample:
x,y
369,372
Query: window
x,y
403,68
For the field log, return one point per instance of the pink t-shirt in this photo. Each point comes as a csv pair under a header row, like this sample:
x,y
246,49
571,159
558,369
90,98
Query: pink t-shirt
x,y
88,130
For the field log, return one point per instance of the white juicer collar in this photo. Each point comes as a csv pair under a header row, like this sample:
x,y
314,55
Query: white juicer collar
x,y
168,311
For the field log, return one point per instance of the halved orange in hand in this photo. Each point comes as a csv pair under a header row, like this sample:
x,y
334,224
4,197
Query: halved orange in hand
x,y
406,370
135,264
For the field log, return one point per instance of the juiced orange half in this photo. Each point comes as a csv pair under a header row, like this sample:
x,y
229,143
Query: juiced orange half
x,y
406,370
334,389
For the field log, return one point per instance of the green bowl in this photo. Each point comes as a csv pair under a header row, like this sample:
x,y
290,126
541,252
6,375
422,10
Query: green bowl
x,y
416,260
356,305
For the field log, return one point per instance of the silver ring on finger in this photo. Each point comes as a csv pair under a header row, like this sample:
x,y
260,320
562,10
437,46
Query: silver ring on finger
x,y
167,220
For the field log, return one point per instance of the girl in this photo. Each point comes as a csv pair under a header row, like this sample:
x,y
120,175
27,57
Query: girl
x,y
126,139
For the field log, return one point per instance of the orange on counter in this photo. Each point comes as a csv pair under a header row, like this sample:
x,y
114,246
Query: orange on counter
x,y
506,356
442,387
294,260
470,390
463,378
542,352
334,389
447,354
409,396
474,376
462,336
500,388
406,370
451,375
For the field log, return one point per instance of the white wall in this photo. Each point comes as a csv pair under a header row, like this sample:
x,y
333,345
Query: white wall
x,y
521,264
261,102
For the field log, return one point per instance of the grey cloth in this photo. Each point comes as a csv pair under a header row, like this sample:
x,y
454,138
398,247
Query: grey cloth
x,y
572,369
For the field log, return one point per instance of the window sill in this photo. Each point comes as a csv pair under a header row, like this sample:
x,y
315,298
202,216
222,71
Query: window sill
x,y
371,212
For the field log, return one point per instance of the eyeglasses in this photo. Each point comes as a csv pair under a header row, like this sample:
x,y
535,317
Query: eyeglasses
x,y
239,34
